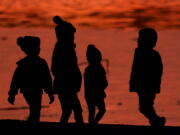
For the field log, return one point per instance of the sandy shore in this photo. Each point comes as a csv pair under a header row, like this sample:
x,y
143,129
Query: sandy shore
x,y
22,127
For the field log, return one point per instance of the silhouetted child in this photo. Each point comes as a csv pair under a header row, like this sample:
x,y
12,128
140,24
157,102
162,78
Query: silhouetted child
x,y
146,75
67,75
95,83
31,76
64,31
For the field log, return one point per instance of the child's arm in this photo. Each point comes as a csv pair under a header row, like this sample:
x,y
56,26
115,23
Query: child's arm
x,y
159,65
105,82
48,83
15,85
133,75
104,79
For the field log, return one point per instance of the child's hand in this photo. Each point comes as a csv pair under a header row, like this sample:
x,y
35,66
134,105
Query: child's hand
x,y
51,98
11,99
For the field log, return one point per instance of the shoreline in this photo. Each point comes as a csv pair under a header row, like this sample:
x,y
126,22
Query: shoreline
x,y
17,126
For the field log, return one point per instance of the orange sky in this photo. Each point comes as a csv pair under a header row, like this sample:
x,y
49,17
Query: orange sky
x,y
97,13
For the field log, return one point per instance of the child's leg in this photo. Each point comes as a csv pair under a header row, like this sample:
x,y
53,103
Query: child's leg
x,y
65,107
146,102
102,109
34,102
76,105
91,109
146,107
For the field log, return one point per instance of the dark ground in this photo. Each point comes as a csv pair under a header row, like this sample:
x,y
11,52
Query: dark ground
x,y
21,127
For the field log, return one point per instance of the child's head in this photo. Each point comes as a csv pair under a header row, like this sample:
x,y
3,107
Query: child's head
x,y
57,20
93,54
29,44
147,38
64,30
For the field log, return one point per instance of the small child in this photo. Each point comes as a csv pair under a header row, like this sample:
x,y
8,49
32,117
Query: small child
x,y
95,83
146,75
31,76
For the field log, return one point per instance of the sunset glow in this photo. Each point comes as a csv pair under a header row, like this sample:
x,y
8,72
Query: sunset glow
x,y
112,25
163,14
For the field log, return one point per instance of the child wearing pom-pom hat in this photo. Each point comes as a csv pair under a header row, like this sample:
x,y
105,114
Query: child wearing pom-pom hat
x,y
31,76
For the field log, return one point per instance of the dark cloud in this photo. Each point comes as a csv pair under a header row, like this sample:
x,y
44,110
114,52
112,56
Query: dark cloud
x,y
156,16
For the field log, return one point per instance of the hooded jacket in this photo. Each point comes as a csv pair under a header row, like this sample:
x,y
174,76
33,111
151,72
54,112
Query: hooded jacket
x,y
31,75
147,70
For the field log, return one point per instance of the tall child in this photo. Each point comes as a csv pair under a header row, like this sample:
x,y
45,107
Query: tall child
x,y
66,72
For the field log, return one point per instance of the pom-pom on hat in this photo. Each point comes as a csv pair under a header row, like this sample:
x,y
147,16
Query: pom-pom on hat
x,y
29,44
28,41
